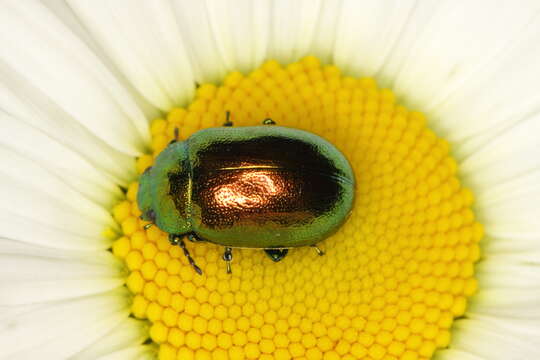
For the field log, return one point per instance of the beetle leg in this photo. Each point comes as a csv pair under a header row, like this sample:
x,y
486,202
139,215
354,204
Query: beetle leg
x,y
319,251
228,121
269,121
276,254
179,240
227,256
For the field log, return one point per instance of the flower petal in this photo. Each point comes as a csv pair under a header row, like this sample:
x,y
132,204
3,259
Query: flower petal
x,y
143,40
65,14
293,28
24,202
40,276
452,354
240,31
463,63
121,339
507,156
506,173
326,30
201,45
467,63
478,336
25,230
61,329
221,38
18,170
37,128
368,32
135,352
68,74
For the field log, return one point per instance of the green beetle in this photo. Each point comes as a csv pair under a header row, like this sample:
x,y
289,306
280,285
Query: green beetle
x,y
266,187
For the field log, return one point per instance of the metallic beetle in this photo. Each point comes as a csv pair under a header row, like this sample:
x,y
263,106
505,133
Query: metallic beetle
x,y
266,187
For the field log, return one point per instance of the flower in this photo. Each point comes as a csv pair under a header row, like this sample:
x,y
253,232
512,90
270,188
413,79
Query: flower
x,y
81,80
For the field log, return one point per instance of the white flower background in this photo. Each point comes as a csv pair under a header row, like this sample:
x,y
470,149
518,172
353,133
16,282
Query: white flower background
x,y
80,80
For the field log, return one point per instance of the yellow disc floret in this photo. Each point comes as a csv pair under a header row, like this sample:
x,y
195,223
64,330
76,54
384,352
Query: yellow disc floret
x,y
393,278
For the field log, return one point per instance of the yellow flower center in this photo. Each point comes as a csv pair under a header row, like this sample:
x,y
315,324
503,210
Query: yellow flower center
x,y
393,278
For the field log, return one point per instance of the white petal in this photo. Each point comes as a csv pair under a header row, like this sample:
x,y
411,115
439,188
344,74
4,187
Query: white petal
x,y
509,155
509,212
55,275
26,230
63,68
500,272
121,339
18,170
31,192
505,172
240,31
41,263
135,352
201,45
326,30
143,40
54,290
521,303
293,28
60,160
60,329
222,38
64,13
368,32
300,28
493,340
22,201
466,64
15,247
34,125
452,354
463,63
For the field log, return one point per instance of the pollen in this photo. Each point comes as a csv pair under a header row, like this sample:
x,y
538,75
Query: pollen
x,y
392,279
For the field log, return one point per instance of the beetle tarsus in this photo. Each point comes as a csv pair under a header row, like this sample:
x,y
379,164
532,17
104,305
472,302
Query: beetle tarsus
x,y
268,121
182,244
148,226
227,256
319,251
228,121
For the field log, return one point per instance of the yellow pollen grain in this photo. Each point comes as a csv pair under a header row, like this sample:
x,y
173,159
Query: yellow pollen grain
x,y
393,278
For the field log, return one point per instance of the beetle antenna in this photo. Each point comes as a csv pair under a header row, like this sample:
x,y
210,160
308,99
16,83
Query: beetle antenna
x,y
319,251
176,133
180,241
148,226
227,256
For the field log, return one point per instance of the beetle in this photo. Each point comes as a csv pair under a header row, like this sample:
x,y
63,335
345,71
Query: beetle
x,y
267,187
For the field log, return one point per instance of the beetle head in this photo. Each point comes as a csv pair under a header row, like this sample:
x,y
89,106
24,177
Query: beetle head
x,y
144,196
162,195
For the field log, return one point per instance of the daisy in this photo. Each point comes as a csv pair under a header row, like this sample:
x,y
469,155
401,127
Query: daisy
x,y
434,104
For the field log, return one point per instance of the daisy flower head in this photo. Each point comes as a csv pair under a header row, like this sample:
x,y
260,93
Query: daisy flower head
x,y
434,104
